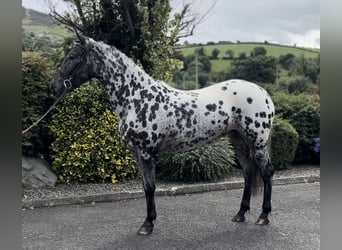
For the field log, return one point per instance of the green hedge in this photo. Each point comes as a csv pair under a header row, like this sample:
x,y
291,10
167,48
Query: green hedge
x,y
87,145
303,112
209,163
36,99
284,143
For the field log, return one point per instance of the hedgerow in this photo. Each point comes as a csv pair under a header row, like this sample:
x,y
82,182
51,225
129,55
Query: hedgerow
x,y
284,143
87,145
303,112
36,99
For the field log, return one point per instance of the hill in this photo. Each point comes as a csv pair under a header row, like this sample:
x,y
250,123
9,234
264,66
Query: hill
x,y
41,25
237,48
272,49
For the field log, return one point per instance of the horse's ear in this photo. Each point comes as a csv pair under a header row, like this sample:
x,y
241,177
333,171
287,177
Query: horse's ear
x,y
81,38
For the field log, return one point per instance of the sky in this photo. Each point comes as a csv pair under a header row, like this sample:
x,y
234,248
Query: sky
x,y
285,22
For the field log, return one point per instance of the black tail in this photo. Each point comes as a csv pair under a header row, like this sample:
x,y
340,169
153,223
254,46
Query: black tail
x,y
256,180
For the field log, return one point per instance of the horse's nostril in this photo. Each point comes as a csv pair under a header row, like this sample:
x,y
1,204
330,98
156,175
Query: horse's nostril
x,y
52,90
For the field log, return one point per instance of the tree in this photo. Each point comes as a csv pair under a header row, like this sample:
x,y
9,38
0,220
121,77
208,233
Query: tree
x,y
242,55
203,79
230,53
309,67
258,51
294,84
260,69
144,30
200,51
214,53
286,60
204,63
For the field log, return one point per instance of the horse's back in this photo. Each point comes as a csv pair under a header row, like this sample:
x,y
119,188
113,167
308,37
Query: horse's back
x,y
239,93
249,106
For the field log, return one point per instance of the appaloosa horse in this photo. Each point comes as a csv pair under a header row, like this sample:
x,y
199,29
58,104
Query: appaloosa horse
x,y
156,118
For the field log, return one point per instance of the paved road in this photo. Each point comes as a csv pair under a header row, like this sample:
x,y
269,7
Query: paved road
x,y
197,221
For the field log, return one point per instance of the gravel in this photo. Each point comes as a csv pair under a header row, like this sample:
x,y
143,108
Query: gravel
x,y
61,191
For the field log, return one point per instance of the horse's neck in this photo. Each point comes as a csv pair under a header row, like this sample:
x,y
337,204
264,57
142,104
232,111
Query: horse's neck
x,y
123,79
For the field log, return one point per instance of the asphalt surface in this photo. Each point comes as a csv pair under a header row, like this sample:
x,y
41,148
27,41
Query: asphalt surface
x,y
195,221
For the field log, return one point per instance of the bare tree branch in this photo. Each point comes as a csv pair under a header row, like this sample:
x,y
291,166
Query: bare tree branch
x,y
190,20
80,11
185,21
70,24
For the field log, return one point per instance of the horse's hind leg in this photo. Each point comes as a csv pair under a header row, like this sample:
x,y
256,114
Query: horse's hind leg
x,y
262,160
147,164
243,155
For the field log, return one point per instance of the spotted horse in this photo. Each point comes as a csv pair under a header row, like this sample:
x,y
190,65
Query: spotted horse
x,y
155,118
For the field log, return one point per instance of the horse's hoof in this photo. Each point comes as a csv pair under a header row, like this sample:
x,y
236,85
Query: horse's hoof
x,y
145,230
262,221
238,218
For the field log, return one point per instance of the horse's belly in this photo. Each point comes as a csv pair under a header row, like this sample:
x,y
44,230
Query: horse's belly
x,y
190,138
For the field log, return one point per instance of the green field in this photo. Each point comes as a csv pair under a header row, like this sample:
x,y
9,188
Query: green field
x,y
272,50
220,65
43,25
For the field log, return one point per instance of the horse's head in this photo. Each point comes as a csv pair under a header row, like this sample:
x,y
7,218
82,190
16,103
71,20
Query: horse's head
x,y
75,68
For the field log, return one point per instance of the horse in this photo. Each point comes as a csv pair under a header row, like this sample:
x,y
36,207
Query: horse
x,y
156,118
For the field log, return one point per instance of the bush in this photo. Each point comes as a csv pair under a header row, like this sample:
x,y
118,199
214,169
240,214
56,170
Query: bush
x,y
303,112
259,69
294,84
210,163
36,99
284,143
88,146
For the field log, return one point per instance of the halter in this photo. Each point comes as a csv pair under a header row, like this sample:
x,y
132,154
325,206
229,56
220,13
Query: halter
x,y
67,83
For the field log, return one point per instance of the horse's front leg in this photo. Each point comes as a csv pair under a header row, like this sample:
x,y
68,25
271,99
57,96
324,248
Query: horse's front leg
x,y
147,166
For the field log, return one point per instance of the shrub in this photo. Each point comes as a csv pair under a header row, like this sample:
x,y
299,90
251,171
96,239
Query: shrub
x,y
294,84
210,163
36,99
284,143
303,112
259,69
87,145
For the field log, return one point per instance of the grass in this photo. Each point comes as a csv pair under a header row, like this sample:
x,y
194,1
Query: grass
x,y
272,50
220,65
55,33
42,25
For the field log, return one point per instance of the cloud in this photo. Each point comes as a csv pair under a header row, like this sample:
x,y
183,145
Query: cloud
x,y
274,21
310,39
285,22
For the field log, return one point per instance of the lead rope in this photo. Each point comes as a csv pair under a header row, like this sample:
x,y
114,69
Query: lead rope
x,y
67,85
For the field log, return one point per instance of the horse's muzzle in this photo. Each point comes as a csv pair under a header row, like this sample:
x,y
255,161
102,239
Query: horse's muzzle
x,y
55,88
